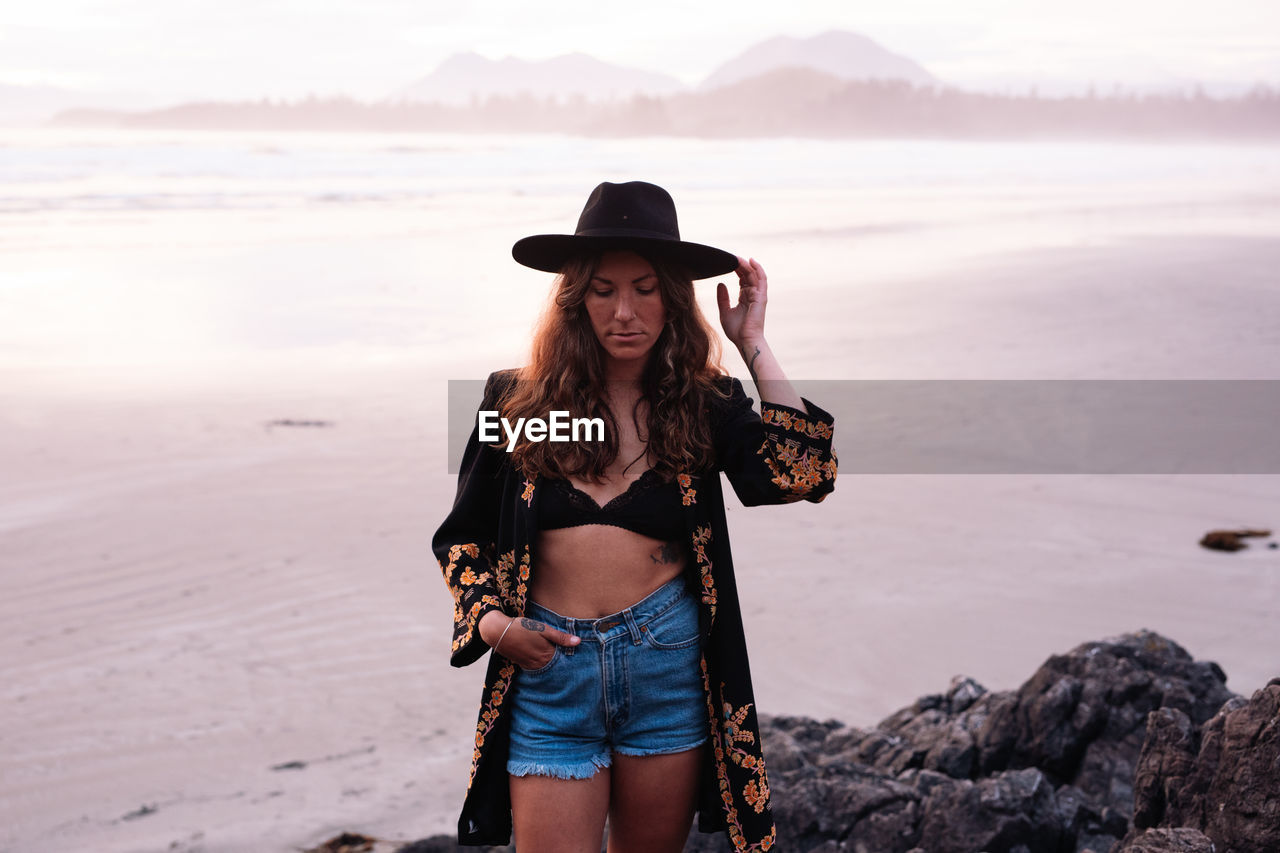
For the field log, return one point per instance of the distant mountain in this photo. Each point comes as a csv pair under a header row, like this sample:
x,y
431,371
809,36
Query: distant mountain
x,y
467,75
845,55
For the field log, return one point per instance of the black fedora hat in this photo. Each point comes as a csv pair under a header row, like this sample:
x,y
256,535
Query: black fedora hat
x,y
634,215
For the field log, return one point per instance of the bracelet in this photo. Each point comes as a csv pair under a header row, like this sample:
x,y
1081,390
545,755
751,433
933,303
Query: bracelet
x,y
504,634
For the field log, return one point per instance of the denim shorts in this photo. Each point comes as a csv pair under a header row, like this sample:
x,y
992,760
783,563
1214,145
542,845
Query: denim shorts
x,y
632,686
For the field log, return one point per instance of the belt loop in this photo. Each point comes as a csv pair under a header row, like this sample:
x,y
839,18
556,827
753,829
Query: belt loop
x,y
632,626
571,630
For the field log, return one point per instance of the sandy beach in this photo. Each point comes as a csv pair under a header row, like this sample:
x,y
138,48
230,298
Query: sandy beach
x,y
228,634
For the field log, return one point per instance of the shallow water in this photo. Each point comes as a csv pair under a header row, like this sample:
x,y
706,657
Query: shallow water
x,y
217,250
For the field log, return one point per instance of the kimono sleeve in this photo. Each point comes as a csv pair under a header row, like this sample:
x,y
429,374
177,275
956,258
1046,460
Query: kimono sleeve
x,y
465,543
778,456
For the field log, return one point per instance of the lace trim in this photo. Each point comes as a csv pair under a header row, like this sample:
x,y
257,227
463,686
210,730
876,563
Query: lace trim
x,y
582,501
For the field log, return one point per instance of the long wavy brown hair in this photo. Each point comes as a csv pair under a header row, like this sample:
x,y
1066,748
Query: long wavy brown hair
x,y
566,372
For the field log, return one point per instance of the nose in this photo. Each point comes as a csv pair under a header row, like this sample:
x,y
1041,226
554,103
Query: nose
x,y
624,310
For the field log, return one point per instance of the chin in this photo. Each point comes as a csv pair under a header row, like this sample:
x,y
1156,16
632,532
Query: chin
x,y
629,355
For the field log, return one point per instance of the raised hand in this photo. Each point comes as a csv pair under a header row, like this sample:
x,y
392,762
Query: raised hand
x,y
743,323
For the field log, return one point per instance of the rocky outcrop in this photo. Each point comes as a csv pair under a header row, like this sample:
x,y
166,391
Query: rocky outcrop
x,y
1230,540
1168,841
1048,767
1221,779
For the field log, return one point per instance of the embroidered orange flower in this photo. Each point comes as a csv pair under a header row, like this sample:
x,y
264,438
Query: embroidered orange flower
x,y
795,423
687,495
489,714
806,480
527,496
470,549
788,453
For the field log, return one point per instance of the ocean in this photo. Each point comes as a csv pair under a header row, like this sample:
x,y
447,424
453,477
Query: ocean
x,y
149,249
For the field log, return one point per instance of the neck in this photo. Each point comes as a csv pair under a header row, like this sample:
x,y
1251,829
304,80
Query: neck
x,y
624,372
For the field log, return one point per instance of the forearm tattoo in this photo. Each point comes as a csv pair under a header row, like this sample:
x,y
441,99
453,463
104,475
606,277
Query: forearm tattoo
x,y
751,362
668,553
532,624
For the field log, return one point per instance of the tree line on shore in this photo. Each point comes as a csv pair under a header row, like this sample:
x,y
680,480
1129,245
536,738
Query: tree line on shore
x,y
789,102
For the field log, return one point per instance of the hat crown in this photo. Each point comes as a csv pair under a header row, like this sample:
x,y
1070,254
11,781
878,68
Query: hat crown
x,y
635,207
634,216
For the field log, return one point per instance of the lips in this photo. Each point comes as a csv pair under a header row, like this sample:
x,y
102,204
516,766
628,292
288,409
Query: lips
x,y
626,336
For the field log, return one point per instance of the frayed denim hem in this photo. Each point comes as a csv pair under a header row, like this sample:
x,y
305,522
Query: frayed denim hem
x,y
575,770
666,750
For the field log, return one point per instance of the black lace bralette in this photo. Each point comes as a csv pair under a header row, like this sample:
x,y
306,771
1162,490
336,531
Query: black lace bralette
x,y
649,507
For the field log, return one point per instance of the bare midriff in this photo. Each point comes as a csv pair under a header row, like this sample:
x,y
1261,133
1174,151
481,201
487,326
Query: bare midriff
x,y
595,570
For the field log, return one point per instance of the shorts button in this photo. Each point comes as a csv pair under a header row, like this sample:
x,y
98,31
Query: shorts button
x,y
605,626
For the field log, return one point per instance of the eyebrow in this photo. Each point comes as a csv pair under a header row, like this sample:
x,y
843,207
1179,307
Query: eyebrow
x,y
604,280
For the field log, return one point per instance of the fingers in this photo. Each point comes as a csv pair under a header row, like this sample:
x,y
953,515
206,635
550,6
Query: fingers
x,y
722,297
752,280
538,659
758,280
560,638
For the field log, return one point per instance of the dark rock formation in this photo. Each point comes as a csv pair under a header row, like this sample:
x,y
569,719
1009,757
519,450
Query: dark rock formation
x,y
1230,540
1046,768
1221,779
347,842
1168,841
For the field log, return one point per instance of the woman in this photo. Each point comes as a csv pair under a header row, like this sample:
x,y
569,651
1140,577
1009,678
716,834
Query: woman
x,y
598,572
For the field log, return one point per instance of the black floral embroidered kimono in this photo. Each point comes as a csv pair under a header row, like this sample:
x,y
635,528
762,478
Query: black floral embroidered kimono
x,y
484,549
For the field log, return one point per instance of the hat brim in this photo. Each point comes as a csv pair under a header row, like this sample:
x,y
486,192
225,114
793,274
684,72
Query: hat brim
x,y
550,252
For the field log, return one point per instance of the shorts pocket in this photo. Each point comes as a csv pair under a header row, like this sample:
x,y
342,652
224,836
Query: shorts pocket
x,y
555,656
675,628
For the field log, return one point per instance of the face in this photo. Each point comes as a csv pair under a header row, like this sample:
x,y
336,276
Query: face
x,y
624,303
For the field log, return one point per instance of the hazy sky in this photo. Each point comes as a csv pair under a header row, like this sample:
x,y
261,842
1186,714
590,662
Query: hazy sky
x,y
288,48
